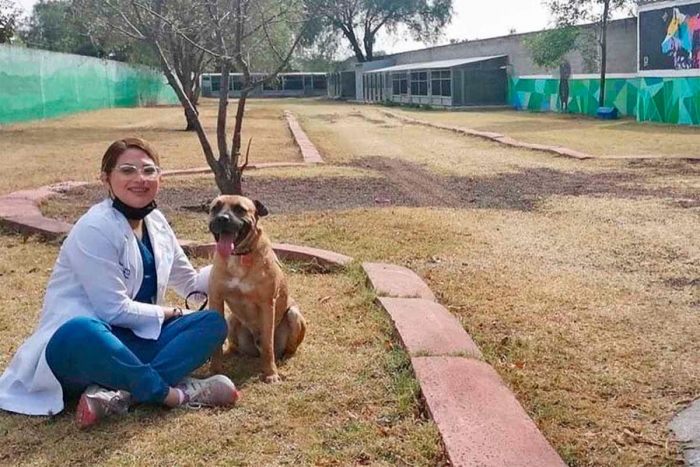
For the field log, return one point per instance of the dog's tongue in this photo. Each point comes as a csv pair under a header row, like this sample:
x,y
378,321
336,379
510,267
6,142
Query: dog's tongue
x,y
225,245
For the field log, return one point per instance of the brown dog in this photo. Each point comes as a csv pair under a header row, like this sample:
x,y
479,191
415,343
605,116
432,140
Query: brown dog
x,y
246,275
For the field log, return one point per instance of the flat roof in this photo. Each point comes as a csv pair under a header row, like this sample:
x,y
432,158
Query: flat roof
x,y
289,73
434,65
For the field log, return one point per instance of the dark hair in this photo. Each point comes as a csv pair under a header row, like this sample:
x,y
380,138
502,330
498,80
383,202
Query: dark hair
x,y
117,148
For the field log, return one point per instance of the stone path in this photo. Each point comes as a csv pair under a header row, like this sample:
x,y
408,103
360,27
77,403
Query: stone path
x,y
686,427
309,153
497,137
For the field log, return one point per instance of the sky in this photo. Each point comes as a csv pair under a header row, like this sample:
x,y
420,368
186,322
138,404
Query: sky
x,y
479,19
472,19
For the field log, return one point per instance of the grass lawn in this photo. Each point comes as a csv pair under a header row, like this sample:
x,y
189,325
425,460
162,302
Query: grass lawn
x,y
577,279
619,138
349,397
71,147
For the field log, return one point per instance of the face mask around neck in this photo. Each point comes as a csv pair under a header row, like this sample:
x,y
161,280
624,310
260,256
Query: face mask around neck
x,y
134,214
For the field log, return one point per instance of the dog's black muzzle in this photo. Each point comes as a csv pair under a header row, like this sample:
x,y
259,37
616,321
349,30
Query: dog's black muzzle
x,y
227,223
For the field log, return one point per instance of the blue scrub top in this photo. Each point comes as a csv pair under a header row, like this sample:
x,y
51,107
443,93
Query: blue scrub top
x,y
149,286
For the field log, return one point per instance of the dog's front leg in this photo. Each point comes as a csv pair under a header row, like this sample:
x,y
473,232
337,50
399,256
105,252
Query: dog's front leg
x,y
216,303
267,343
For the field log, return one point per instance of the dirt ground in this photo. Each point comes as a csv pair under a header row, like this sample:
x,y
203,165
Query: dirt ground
x,y
578,279
404,183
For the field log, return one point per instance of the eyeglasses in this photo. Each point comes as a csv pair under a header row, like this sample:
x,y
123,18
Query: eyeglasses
x,y
148,172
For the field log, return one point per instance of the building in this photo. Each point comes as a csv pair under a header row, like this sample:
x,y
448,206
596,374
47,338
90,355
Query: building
x,y
653,70
285,85
444,83
341,85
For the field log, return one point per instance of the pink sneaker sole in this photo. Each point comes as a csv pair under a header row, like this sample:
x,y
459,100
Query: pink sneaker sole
x,y
84,416
236,396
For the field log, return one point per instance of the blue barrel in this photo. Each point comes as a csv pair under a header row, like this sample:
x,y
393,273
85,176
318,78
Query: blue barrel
x,y
608,113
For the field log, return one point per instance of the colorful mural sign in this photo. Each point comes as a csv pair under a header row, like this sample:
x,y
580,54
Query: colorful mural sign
x,y
669,38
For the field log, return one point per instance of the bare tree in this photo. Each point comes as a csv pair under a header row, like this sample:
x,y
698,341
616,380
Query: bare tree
x,y
186,26
231,31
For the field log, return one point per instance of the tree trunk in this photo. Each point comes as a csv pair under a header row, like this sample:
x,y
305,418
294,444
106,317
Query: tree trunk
x,y
191,119
234,185
369,47
354,43
191,122
604,53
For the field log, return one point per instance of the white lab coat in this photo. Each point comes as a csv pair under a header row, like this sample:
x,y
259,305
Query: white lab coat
x,y
97,274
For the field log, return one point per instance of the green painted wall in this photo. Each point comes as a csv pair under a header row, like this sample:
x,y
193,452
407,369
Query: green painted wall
x,y
669,100
661,100
36,84
543,95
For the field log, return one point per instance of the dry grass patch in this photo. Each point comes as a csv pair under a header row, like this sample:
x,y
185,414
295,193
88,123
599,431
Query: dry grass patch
x,y
349,397
345,133
596,137
587,309
578,279
70,148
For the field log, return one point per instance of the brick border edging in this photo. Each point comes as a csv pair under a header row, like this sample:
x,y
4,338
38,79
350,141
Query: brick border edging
x,y
319,259
496,137
19,211
309,153
479,419
308,150
206,170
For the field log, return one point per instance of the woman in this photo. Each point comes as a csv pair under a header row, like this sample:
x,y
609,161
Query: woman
x,y
104,332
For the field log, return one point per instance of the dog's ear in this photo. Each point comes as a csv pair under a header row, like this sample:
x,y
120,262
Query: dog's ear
x,y
260,209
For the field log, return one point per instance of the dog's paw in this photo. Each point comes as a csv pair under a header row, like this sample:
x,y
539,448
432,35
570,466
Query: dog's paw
x,y
272,379
230,349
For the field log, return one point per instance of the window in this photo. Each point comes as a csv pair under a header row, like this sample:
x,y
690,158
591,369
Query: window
x,y
272,85
419,83
215,83
293,83
320,82
235,83
399,83
441,83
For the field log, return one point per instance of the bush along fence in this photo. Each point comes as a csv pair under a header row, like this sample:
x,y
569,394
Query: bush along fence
x,y
37,84
648,99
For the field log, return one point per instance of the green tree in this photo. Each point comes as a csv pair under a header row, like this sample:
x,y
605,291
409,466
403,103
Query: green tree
x,y
548,48
359,21
51,27
9,19
574,12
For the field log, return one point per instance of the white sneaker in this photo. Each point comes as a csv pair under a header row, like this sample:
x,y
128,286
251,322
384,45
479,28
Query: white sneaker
x,y
97,403
215,391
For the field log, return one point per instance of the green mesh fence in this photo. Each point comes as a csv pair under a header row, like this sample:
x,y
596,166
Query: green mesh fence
x,y
36,84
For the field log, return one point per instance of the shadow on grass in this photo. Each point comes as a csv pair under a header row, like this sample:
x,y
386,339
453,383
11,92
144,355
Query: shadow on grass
x,y
408,184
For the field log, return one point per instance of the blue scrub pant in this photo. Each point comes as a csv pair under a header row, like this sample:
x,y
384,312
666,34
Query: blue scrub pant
x,y
87,351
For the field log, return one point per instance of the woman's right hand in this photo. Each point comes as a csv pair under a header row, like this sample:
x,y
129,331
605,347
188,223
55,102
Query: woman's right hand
x,y
170,312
